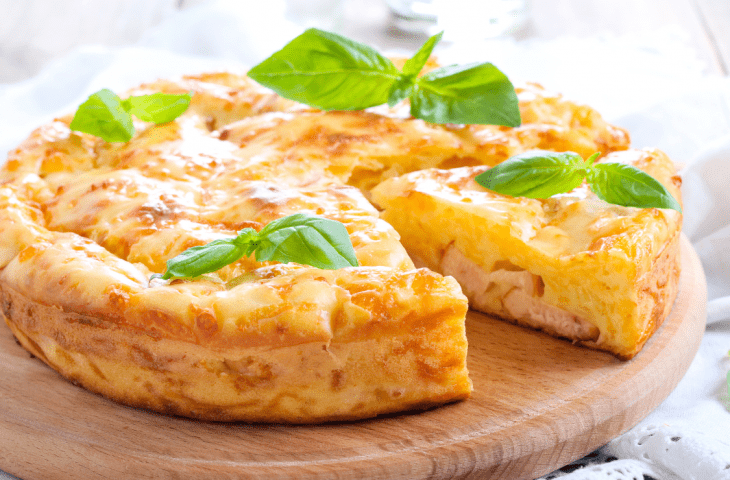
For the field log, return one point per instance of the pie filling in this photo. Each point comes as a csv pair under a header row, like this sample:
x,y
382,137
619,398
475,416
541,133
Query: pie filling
x,y
514,295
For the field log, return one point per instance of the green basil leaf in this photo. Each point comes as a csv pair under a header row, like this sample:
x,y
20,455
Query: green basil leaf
x,y
158,107
299,238
473,94
535,174
331,72
328,71
414,65
197,261
628,186
308,240
103,115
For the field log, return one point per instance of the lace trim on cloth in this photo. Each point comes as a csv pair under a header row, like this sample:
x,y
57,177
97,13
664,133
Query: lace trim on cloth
x,y
614,470
688,455
664,452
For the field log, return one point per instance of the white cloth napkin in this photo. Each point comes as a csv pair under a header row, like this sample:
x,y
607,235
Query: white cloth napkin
x,y
651,84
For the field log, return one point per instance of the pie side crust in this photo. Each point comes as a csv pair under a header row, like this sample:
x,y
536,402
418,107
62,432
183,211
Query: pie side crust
x,y
317,380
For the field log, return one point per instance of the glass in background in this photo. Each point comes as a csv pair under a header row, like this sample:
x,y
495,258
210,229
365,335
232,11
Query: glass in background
x,y
460,19
322,14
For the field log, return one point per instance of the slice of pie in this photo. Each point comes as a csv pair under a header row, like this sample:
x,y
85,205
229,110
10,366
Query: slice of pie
x,y
84,224
572,265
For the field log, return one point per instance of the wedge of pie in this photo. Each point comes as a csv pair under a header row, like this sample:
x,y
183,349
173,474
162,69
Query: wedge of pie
x,y
572,265
84,224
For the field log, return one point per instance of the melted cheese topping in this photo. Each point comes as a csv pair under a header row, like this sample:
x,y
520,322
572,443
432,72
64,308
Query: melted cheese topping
x,y
365,148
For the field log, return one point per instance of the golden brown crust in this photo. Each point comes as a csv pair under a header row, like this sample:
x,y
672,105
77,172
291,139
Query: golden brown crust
x,y
657,288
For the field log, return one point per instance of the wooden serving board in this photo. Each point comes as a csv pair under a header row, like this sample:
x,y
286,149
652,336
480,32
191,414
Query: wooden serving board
x,y
538,403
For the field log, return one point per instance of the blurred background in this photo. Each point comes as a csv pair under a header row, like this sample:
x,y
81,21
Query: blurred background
x,y
651,66
34,32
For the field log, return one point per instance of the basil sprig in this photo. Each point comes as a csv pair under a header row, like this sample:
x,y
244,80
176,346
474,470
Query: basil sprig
x,y
299,238
106,115
542,174
331,72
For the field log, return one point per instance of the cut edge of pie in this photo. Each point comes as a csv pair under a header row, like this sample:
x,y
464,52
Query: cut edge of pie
x,y
601,275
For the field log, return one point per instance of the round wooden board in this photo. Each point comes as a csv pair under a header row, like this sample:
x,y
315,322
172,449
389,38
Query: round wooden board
x,y
538,404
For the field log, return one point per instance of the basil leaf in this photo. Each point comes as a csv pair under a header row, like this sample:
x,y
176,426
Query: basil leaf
x,y
592,159
308,240
328,71
103,115
248,239
542,174
331,72
299,238
628,186
415,64
158,107
197,261
535,174
475,94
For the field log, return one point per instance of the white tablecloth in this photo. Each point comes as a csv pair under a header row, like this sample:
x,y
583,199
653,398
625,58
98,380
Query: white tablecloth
x,y
651,84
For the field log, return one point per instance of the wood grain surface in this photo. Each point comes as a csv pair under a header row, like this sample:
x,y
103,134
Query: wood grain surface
x,y
538,403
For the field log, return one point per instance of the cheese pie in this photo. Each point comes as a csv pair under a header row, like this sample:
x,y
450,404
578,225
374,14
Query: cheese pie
x,y
85,224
